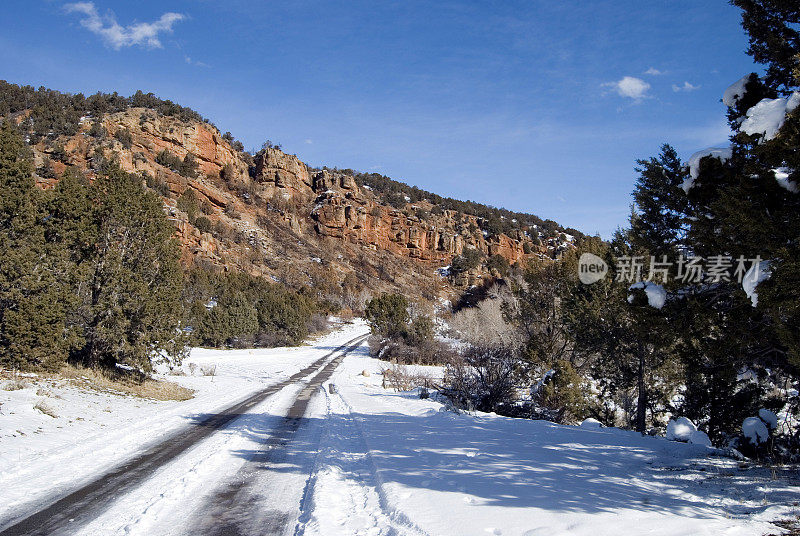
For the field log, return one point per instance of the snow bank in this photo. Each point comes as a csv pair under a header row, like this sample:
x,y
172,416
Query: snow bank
x,y
723,153
769,418
735,91
680,429
437,472
757,273
656,295
698,437
591,423
768,115
782,176
755,430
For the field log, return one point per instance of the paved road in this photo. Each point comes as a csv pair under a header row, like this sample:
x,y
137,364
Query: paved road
x,y
67,514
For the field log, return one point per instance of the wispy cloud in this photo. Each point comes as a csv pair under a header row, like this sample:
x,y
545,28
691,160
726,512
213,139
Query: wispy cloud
x,y
685,87
117,36
652,71
630,87
196,63
309,141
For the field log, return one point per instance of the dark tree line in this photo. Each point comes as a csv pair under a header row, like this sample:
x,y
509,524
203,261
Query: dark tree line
x,y
90,270
713,351
90,274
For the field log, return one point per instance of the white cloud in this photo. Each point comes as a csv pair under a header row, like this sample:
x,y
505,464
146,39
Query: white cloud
x,y
196,63
652,71
630,87
685,87
117,36
309,141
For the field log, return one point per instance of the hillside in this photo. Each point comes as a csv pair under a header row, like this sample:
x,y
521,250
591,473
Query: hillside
x,y
347,234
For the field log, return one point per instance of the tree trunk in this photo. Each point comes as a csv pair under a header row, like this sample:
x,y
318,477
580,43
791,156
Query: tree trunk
x,y
641,404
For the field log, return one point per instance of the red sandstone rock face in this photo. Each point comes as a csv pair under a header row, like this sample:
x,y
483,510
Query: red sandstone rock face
x,y
325,203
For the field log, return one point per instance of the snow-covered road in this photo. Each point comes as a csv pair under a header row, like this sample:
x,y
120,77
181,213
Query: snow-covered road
x,y
354,458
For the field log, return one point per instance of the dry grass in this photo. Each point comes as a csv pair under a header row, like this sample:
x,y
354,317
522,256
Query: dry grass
x,y
14,385
129,383
42,406
399,378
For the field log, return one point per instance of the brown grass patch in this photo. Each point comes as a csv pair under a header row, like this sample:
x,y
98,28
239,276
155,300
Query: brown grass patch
x,y
125,383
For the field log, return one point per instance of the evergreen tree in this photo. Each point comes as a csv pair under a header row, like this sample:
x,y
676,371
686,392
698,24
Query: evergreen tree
x,y
133,307
774,38
32,333
657,226
388,315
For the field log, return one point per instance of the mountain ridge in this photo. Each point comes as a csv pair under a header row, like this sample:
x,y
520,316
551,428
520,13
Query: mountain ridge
x,y
270,213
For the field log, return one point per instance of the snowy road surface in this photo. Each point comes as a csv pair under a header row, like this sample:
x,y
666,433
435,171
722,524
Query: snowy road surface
x,y
353,459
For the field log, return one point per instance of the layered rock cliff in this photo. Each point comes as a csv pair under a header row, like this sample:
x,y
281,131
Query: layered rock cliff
x,y
273,215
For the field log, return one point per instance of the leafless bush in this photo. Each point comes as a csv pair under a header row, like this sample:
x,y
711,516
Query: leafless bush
x,y
484,380
42,406
242,341
400,378
318,323
271,339
428,352
210,370
14,385
192,368
483,324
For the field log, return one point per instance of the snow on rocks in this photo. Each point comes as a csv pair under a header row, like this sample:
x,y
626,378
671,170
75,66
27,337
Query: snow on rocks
x,y
591,423
656,294
755,430
769,418
722,153
680,429
767,117
699,437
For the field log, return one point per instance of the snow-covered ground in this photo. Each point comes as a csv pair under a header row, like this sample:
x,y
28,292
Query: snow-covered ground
x,y
42,456
366,460
392,463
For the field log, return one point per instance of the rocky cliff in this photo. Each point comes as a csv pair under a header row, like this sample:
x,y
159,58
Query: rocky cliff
x,y
273,215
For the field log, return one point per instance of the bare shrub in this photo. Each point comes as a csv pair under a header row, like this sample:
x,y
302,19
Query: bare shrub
x,y
42,406
484,380
400,378
318,323
14,385
428,352
484,324
210,370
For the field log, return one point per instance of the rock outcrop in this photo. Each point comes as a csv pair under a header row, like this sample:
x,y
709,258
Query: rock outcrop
x,y
259,209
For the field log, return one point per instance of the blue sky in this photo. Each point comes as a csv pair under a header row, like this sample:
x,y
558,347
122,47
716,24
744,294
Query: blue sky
x,y
537,106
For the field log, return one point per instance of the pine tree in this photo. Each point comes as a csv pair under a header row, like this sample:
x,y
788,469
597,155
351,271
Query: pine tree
x,y
658,224
32,333
774,39
133,308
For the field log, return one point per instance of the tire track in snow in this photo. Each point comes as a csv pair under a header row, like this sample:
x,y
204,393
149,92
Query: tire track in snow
x,y
238,508
67,514
345,492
